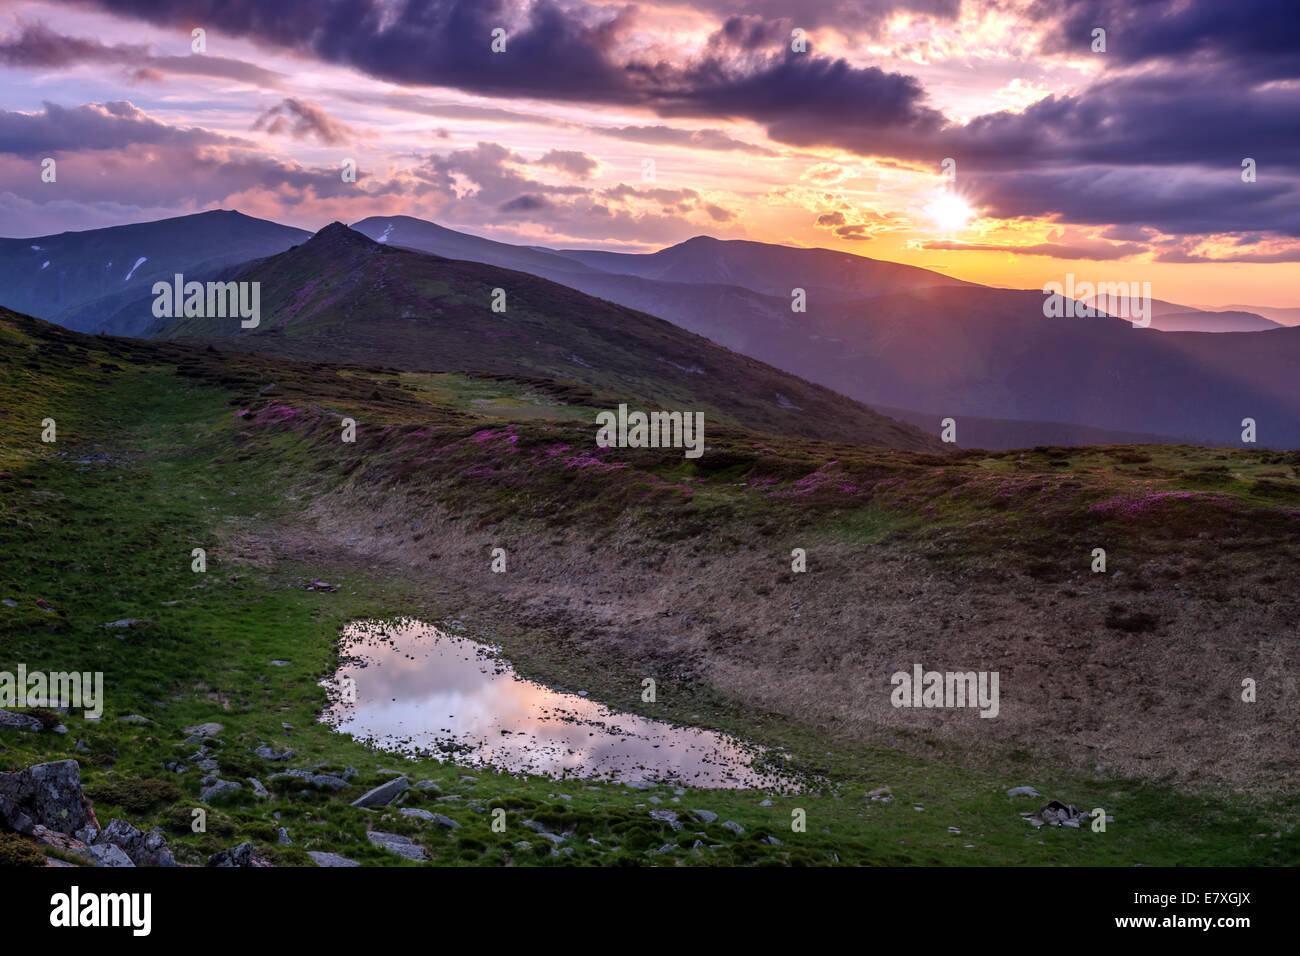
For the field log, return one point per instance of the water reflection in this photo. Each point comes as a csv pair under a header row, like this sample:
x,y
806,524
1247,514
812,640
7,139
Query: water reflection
x,y
424,692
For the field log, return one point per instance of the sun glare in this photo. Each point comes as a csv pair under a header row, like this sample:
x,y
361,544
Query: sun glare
x,y
950,212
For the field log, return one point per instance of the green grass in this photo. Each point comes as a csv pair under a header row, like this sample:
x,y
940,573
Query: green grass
x,y
113,539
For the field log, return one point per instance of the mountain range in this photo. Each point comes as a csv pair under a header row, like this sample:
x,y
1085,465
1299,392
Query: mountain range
x,y
924,346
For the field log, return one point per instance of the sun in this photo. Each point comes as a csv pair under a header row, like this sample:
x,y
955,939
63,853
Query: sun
x,y
950,212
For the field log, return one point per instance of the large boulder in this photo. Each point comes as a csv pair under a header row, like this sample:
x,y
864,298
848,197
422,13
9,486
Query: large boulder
x,y
144,849
48,794
382,795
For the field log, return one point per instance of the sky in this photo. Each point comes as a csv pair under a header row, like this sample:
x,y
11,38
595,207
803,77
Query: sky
x,y
1000,141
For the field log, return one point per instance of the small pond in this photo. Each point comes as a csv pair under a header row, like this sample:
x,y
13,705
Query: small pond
x,y
421,691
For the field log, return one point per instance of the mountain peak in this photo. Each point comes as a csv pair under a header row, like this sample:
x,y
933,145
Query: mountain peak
x,y
340,235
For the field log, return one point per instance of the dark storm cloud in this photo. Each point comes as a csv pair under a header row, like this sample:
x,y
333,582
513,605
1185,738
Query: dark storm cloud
x,y
1182,91
36,46
95,126
1259,39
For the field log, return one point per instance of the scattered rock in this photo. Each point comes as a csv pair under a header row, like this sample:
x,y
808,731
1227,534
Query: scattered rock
x,y
1023,792
126,622
243,855
12,721
318,585
765,803
770,841
210,729
666,816
330,859
275,756
705,816
319,781
282,837
280,663
395,843
134,719
258,789
217,789
417,814
382,795
428,785
734,827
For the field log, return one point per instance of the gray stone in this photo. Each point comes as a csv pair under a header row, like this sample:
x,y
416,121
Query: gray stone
x,y
210,729
318,781
48,794
734,827
1023,792
134,719
243,855
282,837
770,841
382,795
108,855
267,753
9,720
428,785
280,663
705,816
258,789
330,859
217,790
666,816
765,803
395,843
417,814
126,622
144,849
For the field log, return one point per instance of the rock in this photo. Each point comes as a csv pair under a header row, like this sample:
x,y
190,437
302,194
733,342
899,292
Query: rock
x,y
395,843
108,855
879,792
60,729
210,729
705,816
770,841
330,859
144,849
417,814
765,803
287,726
9,602
666,848
48,794
655,800
217,789
523,845
282,837
266,753
428,785
243,855
125,622
13,721
1023,792
134,719
280,663
542,831
382,795
319,781
734,827
258,789
666,816
350,774
318,585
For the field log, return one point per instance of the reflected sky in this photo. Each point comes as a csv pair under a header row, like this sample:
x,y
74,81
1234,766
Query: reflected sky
x,y
422,691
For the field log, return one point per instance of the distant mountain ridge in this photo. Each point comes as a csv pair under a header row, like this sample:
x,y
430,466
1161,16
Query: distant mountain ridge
x,y
95,280
341,296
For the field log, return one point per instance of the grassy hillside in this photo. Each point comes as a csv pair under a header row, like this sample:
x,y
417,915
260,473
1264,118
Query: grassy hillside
x,y
1118,689
342,297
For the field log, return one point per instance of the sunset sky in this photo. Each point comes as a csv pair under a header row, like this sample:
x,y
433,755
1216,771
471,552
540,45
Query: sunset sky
x,y
1117,166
